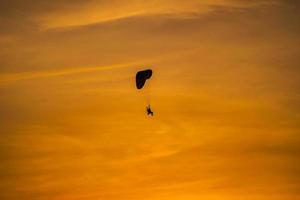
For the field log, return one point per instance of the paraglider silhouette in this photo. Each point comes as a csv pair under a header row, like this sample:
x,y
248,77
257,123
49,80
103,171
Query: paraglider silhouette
x,y
140,81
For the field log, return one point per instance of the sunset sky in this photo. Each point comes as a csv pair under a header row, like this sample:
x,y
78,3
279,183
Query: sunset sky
x,y
225,92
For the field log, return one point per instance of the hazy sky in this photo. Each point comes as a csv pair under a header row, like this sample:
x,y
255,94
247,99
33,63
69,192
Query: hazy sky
x,y
225,93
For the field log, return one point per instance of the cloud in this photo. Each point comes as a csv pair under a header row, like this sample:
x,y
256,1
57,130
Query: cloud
x,y
11,77
45,15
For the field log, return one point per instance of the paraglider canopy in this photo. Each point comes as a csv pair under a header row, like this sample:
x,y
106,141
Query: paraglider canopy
x,y
141,77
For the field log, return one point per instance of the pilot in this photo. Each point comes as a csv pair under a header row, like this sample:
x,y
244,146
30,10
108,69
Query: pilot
x,y
149,111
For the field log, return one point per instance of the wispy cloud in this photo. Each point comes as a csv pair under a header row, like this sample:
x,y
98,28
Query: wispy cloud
x,y
18,76
10,77
102,12
62,14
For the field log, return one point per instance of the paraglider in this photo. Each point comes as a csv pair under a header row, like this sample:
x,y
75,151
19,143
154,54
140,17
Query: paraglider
x,y
140,81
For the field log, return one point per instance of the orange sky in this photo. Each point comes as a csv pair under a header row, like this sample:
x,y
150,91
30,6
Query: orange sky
x,y
225,92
